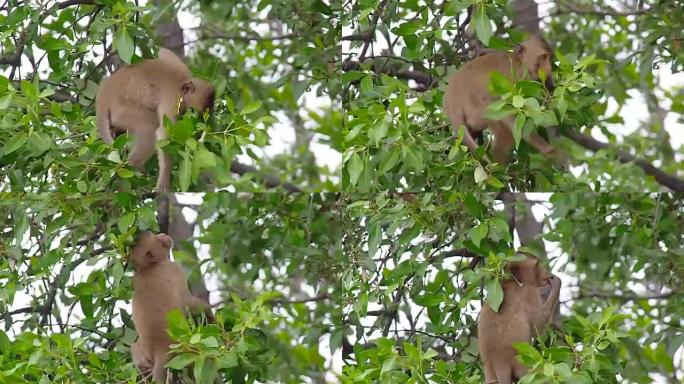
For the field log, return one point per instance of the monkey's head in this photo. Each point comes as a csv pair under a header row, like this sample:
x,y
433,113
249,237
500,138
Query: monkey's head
x,y
150,249
528,271
197,94
536,54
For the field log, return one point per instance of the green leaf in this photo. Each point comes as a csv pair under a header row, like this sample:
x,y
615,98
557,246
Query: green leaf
x,y
123,44
355,168
114,157
480,174
209,342
204,159
498,83
181,361
518,128
39,143
181,131
483,27
251,107
197,369
413,158
478,233
494,294
209,372
185,172
125,221
548,370
124,173
389,160
378,131
227,360
374,238
15,142
518,101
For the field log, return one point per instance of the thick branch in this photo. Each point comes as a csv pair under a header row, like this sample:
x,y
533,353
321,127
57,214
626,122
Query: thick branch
x,y
268,180
215,35
586,141
426,80
624,298
69,3
321,297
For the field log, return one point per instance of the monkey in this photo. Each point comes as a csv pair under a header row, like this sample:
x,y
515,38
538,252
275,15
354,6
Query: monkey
x,y
522,316
136,98
159,285
467,94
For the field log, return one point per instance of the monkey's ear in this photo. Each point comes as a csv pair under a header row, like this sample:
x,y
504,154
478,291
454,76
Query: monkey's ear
x,y
515,269
188,87
166,240
519,49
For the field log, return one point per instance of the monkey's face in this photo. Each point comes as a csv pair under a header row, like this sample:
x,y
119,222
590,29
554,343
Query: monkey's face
x,y
150,249
529,272
536,56
197,94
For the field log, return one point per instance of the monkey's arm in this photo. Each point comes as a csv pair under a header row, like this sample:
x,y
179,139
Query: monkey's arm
x,y
167,107
551,302
196,305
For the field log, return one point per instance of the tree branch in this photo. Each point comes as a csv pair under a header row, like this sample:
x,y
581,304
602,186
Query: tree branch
x,y
69,3
373,25
268,180
426,80
629,297
586,141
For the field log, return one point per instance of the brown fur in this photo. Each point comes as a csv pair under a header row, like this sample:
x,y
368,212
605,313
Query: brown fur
x,y
522,316
467,94
137,97
159,286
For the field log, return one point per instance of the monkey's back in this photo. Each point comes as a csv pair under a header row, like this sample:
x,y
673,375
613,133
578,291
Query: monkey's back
x,y
156,291
143,83
512,324
467,88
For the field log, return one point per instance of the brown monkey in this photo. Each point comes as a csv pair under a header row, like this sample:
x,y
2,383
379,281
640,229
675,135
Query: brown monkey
x,y
159,286
137,97
521,316
467,94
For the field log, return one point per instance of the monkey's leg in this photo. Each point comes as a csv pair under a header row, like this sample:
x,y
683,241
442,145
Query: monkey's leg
x,y
504,372
540,144
489,374
519,370
503,142
159,371
140,124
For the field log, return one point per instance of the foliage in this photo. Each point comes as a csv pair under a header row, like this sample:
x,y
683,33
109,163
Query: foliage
x,y
264,84
419,277
397,136
65,286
